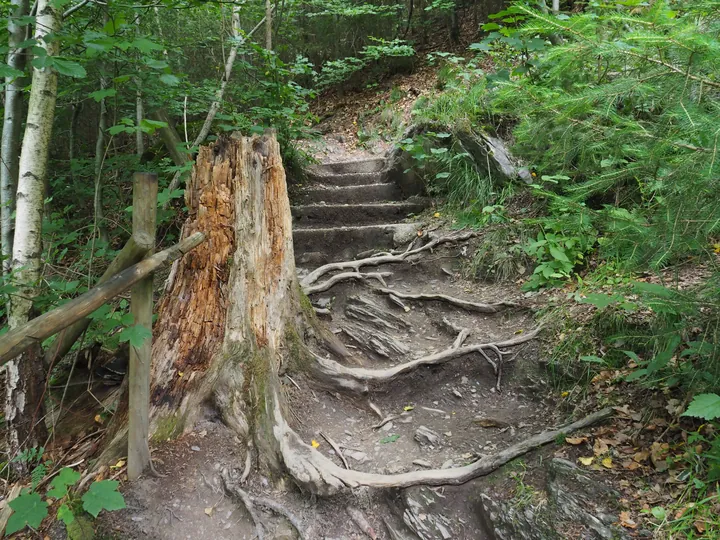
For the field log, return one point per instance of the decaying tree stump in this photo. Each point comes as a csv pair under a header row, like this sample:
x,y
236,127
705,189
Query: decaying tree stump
x,y
233,317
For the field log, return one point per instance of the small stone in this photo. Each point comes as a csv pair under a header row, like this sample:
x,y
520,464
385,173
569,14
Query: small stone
x,y
456,393
423,463
447,464
348,433
323,302
464,380
473,390
387,427
406,419
195,448
425,435
360,457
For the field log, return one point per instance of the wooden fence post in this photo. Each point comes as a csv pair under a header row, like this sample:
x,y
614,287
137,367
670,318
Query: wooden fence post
x,y
145,191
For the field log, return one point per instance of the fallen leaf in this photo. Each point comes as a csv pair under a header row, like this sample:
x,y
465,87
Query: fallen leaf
x,y
209,510
315,444
436,214
631,465
699,526
587,461
408,408
180,374
626,521
641,456
565,394
575,440
119,465
607,463
600,447
98,419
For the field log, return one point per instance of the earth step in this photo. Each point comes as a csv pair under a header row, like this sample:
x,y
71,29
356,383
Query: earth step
x,y
345,167
351,194
354,214
348,179
341,243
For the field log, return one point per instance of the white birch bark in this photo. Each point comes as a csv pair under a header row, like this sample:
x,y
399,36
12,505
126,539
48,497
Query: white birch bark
x,y
24,409
11,132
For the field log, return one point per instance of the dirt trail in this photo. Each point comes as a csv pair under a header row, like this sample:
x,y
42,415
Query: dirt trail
x,y
447,416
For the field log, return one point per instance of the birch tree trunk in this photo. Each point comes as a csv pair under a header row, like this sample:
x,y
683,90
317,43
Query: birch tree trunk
x,y
24,410
11,132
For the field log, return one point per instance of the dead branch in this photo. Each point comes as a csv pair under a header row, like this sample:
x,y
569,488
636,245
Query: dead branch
x,y
465,304
345,276
336,448
316,274
389,419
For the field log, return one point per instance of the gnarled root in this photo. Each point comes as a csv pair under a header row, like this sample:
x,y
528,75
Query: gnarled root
x,y
346,276
384,258
358,379
318,474
459,302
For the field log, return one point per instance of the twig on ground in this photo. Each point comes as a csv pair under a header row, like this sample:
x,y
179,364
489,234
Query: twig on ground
x,y
336,448
395,300
389,419
459,302
375,409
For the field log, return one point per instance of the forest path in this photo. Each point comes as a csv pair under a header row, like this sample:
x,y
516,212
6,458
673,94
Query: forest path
x,y
447,415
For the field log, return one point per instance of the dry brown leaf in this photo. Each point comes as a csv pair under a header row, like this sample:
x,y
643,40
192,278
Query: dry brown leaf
x,y
699,526
631,465
627,521
641,456
575,440
600,447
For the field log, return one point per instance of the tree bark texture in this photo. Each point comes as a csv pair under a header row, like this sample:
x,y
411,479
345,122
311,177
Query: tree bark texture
x,y
223,322
99,214
24,383
268,24
11,132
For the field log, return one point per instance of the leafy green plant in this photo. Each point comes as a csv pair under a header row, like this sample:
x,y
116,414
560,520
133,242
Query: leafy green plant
x,y
30,508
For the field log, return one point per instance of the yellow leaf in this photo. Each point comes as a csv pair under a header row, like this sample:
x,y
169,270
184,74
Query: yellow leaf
x,y
408,408
565,394
587,461
209,510
607,463
180,374
98,419
314,443
716,248
436,214
119,465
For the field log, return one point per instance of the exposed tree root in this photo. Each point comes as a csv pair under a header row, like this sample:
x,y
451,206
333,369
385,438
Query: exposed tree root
x,y
318,474
250,502
345,276
377,260
241,494
465,304
358,378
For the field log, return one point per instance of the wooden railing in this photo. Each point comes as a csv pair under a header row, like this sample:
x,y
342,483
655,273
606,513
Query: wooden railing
x,y
133,267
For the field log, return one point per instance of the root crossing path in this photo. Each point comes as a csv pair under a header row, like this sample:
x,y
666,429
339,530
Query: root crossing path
x,y
442,379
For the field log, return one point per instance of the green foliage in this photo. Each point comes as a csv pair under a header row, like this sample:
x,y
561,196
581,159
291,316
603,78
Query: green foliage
x,y
29,508
338,71
103,495
705,406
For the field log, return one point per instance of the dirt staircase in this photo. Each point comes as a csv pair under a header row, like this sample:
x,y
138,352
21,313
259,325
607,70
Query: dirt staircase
x,y
348,207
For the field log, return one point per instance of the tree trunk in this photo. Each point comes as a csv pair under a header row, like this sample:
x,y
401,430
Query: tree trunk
x,y
99,160
11,132
24,381
268,24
